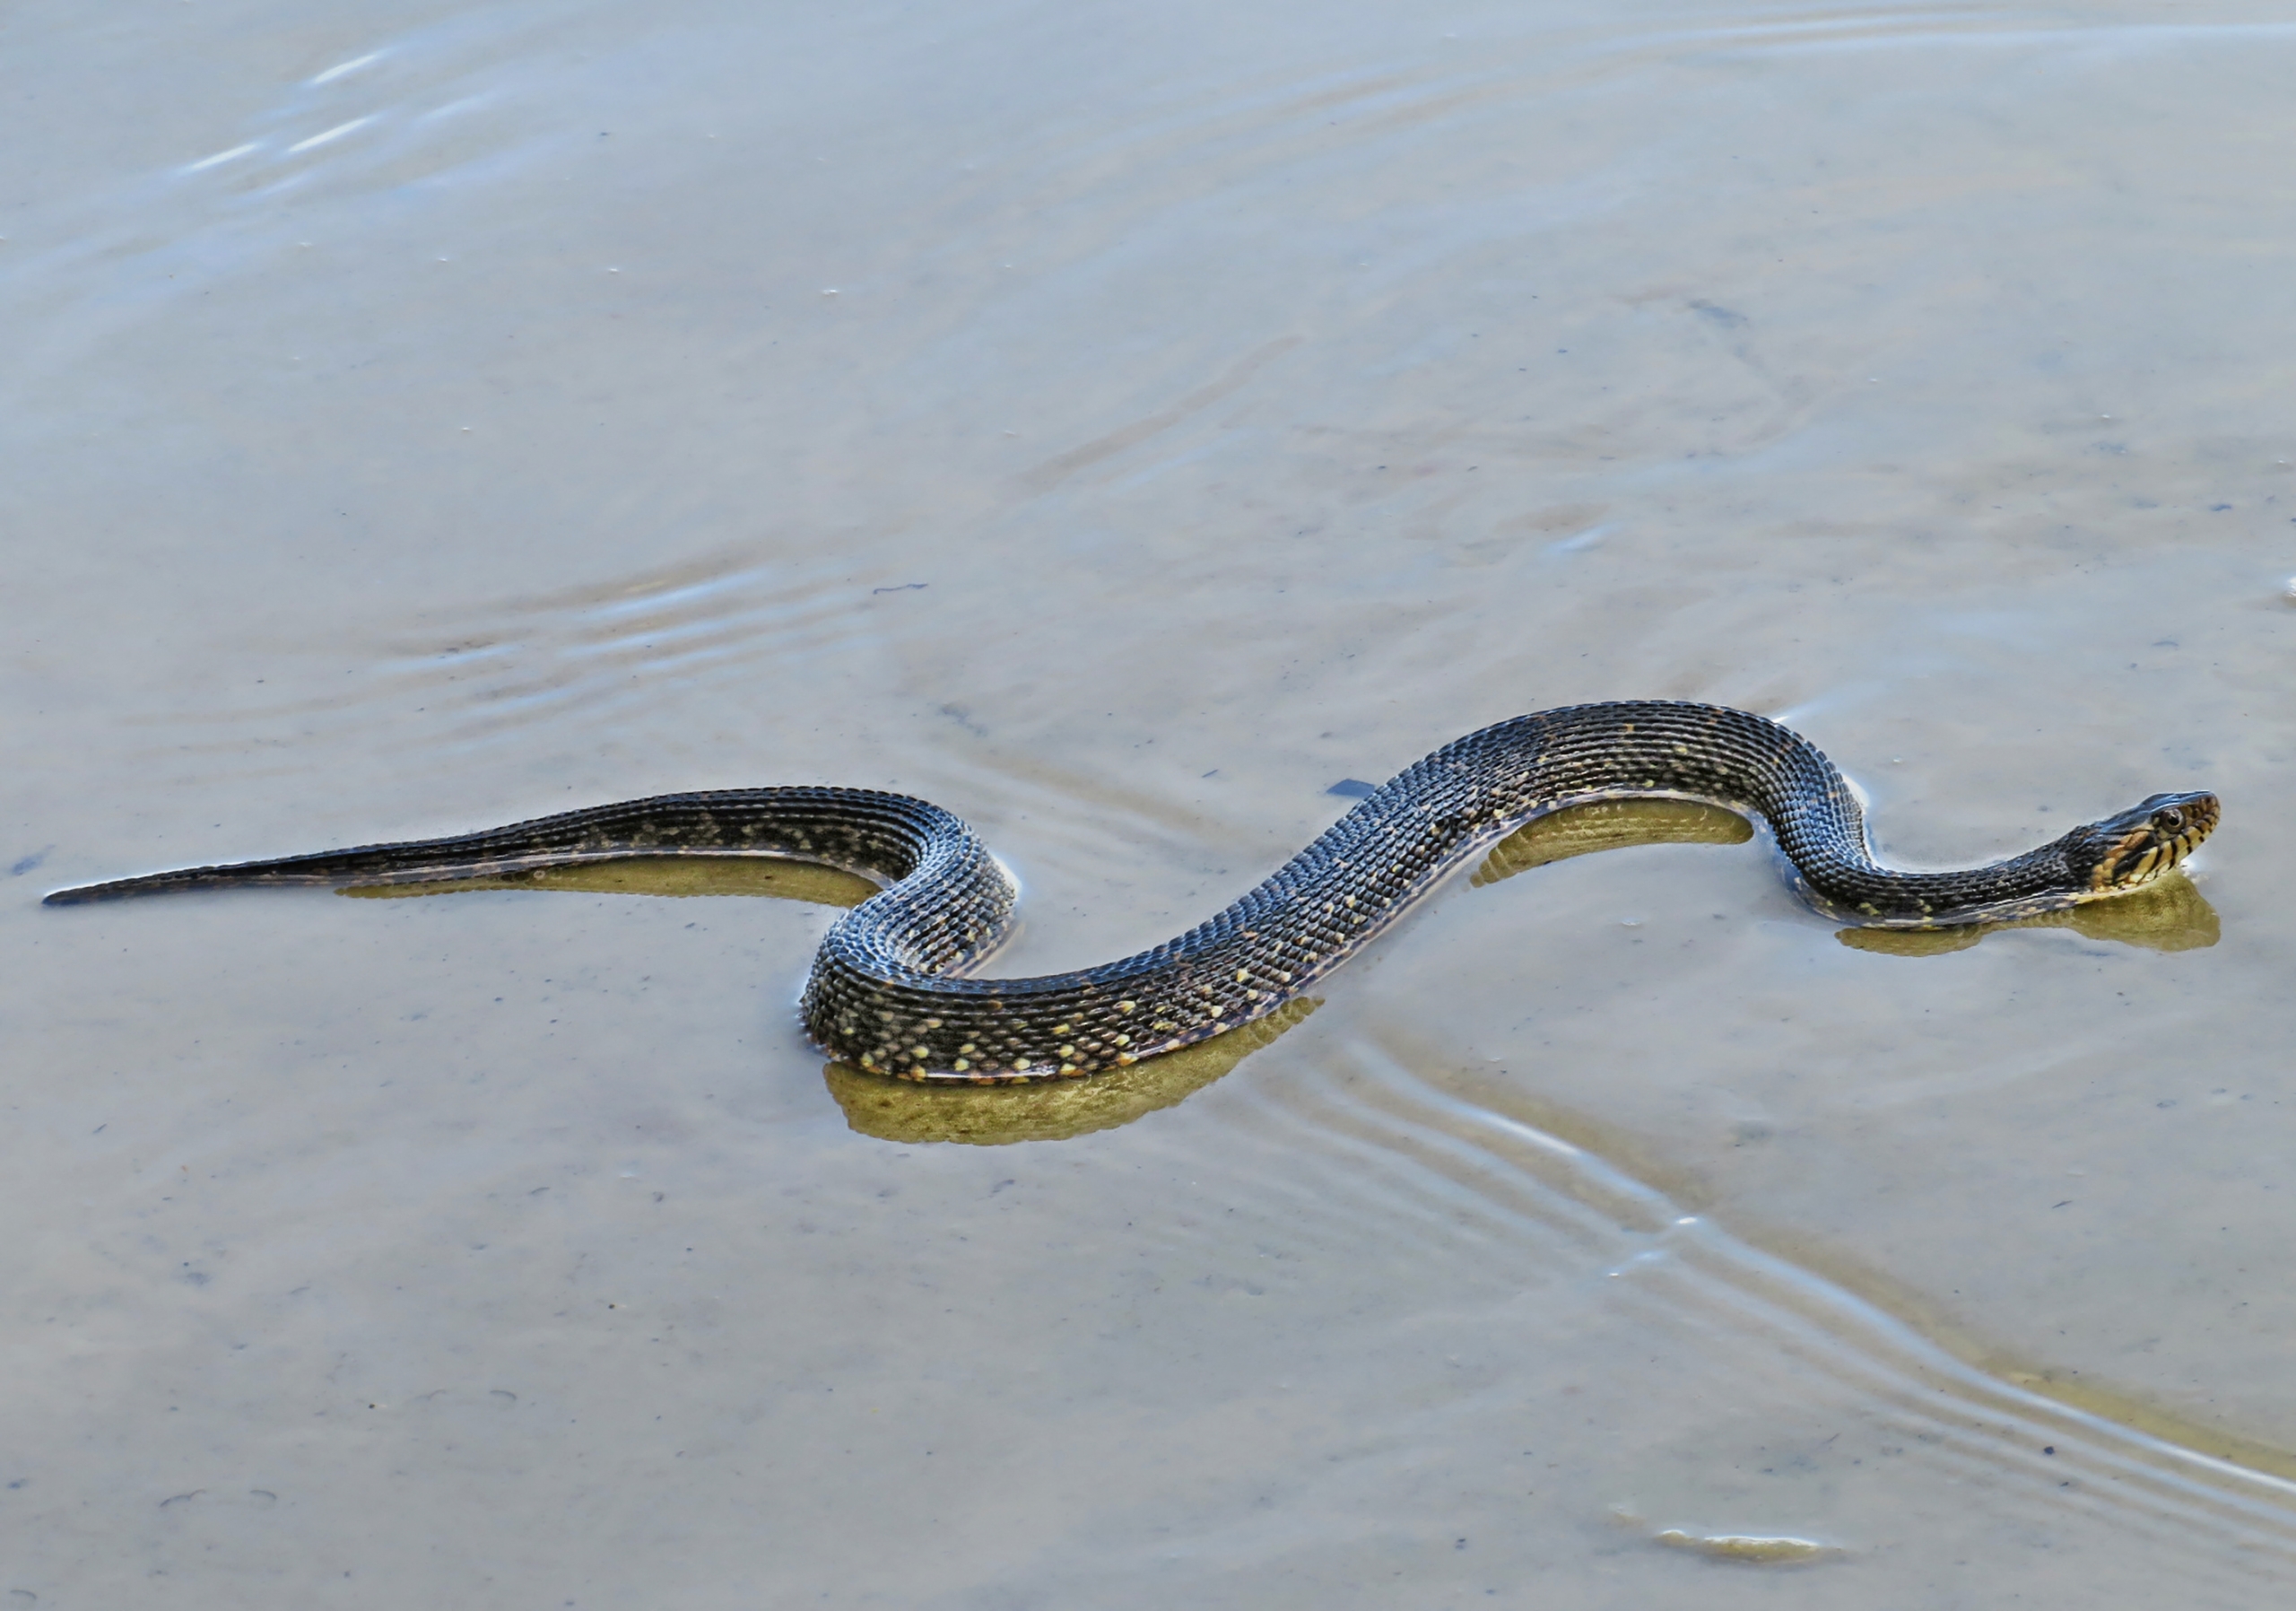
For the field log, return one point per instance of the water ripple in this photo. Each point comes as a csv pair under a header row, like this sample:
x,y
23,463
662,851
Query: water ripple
x,y
1393,1162
578,656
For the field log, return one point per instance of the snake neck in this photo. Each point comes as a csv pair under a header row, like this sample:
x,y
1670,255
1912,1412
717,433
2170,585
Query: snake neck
x,y
1856,889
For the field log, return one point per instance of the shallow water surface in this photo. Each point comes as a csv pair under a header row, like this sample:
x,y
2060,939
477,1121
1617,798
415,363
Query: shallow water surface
x,y
1121,426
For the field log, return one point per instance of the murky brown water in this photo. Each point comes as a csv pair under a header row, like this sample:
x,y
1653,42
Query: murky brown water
x,y
1120,425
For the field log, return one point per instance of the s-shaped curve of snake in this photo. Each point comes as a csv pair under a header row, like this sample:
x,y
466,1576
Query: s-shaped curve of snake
x,y
891,990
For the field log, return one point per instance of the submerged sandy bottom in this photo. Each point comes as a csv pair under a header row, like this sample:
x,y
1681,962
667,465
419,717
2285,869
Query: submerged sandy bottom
x,y
1119,426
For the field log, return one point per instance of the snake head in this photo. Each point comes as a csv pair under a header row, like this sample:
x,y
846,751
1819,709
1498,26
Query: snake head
x,y
2140,843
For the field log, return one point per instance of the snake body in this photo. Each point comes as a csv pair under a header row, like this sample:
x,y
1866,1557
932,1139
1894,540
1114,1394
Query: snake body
x,y
890,989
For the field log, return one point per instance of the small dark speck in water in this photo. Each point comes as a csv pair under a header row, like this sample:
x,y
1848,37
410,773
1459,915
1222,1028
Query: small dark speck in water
x,y
1353,789
903,587
2218,508
24,865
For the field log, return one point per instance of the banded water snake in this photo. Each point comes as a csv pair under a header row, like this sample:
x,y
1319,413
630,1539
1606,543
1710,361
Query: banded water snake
x,y
890,989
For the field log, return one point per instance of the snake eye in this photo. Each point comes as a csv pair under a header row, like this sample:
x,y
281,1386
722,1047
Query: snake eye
x,y
2172,819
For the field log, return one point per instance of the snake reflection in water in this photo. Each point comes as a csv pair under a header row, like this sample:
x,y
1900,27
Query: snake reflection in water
x,y
890,990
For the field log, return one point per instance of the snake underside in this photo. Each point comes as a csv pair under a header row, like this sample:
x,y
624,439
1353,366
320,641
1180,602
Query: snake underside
x,y
890,990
